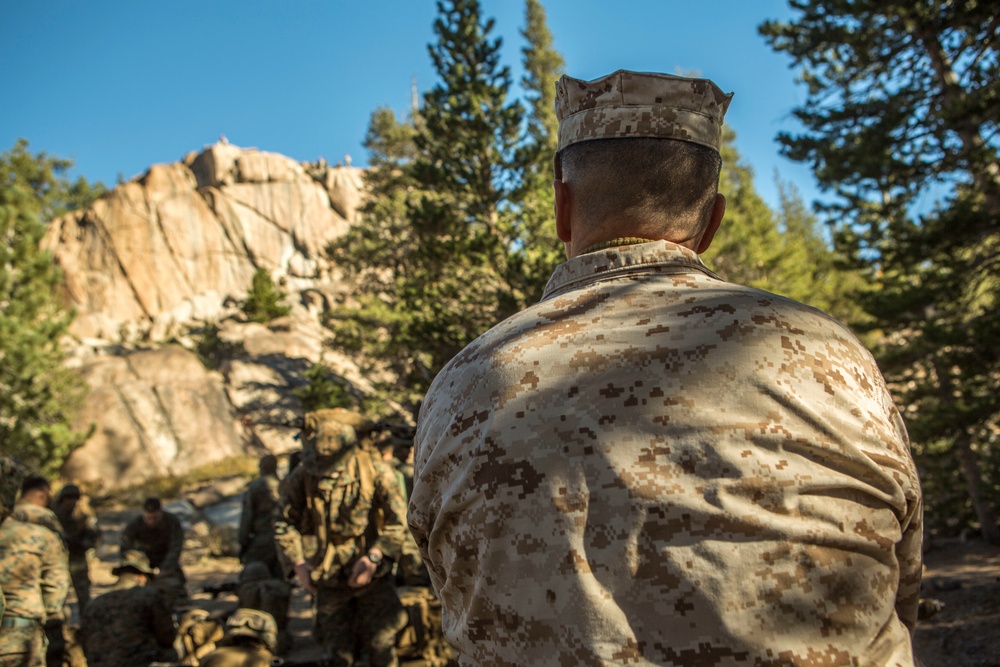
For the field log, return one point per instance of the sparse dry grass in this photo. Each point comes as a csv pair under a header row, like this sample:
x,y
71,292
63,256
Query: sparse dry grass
x,y
174,487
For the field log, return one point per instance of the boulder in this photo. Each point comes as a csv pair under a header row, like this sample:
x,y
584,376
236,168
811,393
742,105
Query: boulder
x,y
154,413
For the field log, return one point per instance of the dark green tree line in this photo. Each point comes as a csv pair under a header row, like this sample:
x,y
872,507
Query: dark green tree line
x,y
903,104
38,394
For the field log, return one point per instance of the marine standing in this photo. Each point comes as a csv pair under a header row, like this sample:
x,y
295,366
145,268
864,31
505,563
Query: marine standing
x,y
81,534
352,502
260,508
34,575
688,471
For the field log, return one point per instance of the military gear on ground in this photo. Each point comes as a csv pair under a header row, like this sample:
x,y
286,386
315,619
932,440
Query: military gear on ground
x,y
197,635
422,638
253,623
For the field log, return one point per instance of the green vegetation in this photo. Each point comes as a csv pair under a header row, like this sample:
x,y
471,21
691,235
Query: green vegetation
x,y
263,302
452,239
902,105
323,390
174,486
213,350
38,394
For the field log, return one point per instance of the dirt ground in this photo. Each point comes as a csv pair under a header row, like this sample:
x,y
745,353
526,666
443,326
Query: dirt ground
x,y
964,575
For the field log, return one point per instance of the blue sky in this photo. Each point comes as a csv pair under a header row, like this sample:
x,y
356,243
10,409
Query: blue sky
x,y
118,86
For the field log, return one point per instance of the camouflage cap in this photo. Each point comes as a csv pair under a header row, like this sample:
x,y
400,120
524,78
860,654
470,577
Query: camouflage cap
x,y
135,560
640,104
11,475
253,623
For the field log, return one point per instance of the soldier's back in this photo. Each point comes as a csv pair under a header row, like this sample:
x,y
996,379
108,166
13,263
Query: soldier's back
x,y
119,627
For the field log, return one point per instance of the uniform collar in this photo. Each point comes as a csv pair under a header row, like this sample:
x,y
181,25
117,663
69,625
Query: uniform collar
x,y
609,262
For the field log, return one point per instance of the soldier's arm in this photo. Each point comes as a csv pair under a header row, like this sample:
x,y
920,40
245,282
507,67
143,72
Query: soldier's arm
x,y
390,499
173,556
54,579
291,513
128,539
91,532
163,623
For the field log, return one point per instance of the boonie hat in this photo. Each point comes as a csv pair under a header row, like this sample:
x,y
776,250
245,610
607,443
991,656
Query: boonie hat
x,y
135,560
640,104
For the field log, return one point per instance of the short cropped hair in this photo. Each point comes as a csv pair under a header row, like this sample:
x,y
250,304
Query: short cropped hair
x,y
32,482
669,184
152,505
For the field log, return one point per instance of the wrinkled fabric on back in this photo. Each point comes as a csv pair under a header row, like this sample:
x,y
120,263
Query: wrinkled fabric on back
x,y
652,466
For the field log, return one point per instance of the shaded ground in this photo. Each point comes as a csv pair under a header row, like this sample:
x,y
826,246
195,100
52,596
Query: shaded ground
x,y
966,633
965,576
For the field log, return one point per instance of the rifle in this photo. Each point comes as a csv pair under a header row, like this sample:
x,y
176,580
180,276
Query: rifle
x,y
218,589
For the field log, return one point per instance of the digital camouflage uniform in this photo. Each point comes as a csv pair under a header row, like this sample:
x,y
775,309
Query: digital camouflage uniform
x,y
35,579
256,530
351,508
129,625
652,466
82,535
162,544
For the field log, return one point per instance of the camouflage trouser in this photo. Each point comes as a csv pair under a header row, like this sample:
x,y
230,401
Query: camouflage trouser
x,y
356,622
22,646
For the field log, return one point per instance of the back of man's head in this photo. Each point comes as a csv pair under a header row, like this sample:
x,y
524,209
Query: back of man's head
x,y
268,464
36,489
662,188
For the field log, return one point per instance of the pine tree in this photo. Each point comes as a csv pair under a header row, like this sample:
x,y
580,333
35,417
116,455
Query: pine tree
x,y
778,252
904,100
38,394
263,302
433,253
541,251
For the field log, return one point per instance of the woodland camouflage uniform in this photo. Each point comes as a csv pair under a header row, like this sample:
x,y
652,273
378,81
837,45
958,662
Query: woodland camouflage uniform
x,y
352,506
687,471
129,625
34,575
163,545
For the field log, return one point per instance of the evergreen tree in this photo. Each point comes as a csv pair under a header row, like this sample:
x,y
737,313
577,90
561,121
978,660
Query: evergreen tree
x,y
543,66
778,252
438,256
38,394
904,100
263,302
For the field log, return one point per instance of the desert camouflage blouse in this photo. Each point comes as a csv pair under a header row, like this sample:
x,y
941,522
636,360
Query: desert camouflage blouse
x,y
653,466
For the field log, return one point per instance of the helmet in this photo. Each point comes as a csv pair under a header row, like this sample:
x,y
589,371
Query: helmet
x,y
326,434
253,623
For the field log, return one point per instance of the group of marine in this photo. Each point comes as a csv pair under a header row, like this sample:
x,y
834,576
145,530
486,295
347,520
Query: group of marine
x,y
334,525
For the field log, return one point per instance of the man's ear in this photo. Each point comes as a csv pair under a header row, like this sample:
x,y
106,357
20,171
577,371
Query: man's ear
x,y
563,203
714,220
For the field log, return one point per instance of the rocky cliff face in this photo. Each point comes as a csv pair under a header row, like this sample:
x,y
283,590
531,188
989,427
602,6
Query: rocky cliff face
x,y
166,254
